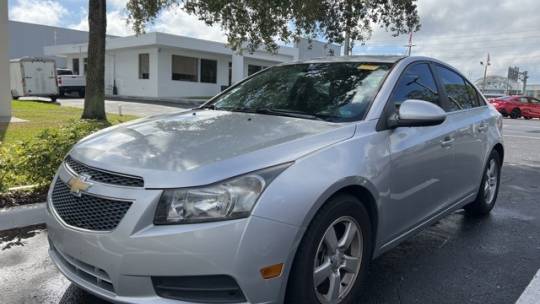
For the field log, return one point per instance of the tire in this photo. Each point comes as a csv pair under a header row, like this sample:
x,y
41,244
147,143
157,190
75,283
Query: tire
x,y
527,118
54,98
81,93
15,97
515,114
339,212
487,196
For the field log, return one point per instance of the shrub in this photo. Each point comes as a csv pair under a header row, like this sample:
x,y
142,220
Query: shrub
x,y
35,161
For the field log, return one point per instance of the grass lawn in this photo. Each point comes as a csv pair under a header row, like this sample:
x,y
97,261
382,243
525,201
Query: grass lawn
x,y
41,115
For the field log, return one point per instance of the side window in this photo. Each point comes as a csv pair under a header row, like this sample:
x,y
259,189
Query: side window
x,y
416,82
459,96
523,100
474,95
534,100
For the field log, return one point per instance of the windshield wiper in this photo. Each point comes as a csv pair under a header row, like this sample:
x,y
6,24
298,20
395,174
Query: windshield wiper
x,y
210,106
285,112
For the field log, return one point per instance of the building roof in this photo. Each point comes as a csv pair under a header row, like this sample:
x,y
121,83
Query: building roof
x,y
158,39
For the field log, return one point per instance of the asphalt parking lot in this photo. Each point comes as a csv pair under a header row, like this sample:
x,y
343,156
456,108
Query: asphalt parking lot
x,y
458,260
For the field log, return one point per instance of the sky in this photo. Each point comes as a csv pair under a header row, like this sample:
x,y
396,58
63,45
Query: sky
x,y
460,32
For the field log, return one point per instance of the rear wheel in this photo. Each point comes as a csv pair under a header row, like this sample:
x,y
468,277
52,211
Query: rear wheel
x,y
489,188
515,114
333,257
81,93
527,118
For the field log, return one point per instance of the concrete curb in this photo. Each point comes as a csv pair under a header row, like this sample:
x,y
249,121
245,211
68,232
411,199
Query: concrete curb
x,y
531,295
22,216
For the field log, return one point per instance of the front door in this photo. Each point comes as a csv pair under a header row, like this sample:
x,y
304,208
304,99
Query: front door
x,y
534,104
421,158
471,119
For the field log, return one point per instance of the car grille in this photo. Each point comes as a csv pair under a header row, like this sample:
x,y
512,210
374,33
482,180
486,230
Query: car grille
x,y
87,211
104,176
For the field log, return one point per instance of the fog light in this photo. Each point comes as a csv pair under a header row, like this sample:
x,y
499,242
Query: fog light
x,y
271,272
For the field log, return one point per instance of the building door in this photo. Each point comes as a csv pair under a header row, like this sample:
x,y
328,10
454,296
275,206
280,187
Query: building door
x,y
75,66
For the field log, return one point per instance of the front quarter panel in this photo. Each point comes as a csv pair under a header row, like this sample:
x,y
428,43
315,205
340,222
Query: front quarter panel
x,y
298,193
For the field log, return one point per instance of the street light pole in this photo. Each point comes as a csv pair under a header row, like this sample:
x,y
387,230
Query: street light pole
x,y
488,63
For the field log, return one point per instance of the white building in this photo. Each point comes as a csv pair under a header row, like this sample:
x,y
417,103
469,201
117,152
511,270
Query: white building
x,y
164,66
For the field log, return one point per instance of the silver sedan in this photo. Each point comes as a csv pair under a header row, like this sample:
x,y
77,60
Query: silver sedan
x,y
282,188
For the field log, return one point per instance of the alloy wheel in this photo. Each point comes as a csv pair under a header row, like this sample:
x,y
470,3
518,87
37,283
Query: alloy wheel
x,y
491,181
338,260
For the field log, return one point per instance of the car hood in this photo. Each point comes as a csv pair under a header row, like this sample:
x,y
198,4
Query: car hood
x,y
204,146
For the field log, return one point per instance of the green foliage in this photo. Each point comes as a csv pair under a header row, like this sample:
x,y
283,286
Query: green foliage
x,y
259,22
35,161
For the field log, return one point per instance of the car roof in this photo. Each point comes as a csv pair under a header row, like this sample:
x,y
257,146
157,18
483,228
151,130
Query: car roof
x,y
356,58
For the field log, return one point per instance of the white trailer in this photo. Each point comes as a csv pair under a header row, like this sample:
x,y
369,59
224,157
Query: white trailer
x,y
32,76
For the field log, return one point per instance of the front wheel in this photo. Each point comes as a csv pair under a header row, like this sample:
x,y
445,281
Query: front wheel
x,y
489,188
515,114
332,259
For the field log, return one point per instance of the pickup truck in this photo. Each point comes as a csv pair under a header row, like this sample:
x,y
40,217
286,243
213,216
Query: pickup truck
x,y
70,83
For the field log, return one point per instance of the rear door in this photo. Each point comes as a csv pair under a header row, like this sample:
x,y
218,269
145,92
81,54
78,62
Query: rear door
x,y
39,77
421,157
470,117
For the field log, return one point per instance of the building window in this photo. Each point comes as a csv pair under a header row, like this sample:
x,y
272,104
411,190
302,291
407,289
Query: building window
x,y
184,68
208,71
252,69
75,64
144,66
85,63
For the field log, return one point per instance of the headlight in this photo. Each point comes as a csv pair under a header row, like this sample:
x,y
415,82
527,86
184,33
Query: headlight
x,y
231,199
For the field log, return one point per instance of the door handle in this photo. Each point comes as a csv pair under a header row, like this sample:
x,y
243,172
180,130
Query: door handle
x,y
447,142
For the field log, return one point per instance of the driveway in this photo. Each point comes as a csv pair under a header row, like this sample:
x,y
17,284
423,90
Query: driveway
x,y
137,108
458,260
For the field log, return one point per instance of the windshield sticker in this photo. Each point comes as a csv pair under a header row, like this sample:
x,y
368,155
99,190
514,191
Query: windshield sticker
x,y
368,67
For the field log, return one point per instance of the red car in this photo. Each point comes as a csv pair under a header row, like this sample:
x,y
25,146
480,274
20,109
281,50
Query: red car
x,y
517,106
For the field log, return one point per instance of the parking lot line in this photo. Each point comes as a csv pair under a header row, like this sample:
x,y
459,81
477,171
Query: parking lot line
x,y
531,295
521,136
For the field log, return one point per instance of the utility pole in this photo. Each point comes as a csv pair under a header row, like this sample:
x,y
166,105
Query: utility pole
x,y
410,45
486,65
524,77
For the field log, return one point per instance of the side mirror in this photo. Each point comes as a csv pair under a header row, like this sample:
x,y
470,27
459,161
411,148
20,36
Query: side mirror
x,y
417,113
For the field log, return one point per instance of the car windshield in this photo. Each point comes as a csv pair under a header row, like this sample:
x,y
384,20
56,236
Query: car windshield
x,y
336,92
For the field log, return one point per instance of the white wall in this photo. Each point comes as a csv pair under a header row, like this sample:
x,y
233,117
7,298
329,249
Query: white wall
x,y
316,49
123,66
5,93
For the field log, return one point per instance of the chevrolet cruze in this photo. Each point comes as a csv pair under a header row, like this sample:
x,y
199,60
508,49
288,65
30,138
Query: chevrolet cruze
x,y
281,189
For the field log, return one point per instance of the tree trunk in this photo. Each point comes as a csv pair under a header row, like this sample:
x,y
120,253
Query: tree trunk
x,y
94,99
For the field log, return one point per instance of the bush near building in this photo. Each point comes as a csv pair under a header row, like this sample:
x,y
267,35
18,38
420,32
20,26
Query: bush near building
x,y
34,159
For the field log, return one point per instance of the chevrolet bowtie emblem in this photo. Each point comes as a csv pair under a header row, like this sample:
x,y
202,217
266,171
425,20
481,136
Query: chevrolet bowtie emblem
x,y
78,184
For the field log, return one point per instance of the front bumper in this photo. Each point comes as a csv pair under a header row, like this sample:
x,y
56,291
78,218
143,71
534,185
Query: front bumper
x,y
119,265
